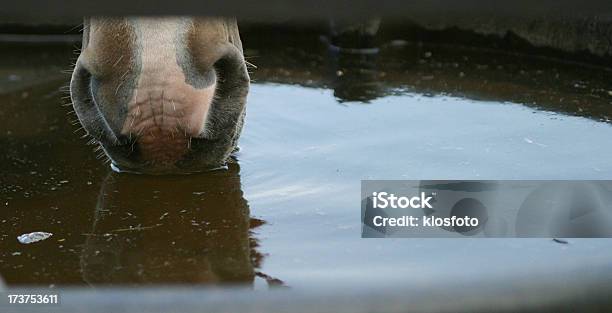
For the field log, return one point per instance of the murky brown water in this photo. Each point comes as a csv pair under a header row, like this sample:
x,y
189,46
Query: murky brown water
x,y
287,211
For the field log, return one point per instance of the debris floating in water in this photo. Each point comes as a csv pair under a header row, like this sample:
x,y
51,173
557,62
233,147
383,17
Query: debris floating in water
x,y
33,237
563,241
529,141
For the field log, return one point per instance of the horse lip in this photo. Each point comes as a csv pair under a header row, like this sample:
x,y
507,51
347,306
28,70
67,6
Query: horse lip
x,y
123,159
143,169
203,142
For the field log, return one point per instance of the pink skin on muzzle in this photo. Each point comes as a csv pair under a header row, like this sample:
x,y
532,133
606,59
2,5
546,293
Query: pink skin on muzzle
x,y
165,111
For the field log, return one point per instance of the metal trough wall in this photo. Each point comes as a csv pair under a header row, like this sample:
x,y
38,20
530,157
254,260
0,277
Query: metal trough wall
x,y
567,26
589,25
266,9
579,290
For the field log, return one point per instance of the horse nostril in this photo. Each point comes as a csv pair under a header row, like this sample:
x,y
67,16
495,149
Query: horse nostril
x,y
85,107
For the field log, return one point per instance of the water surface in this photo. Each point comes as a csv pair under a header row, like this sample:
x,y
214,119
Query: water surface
x,y
286,211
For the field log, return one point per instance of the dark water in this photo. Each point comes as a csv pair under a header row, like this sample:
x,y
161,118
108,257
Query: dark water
x,y
287,211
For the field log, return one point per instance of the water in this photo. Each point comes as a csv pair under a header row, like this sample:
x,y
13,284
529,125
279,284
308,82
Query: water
x,y
287,211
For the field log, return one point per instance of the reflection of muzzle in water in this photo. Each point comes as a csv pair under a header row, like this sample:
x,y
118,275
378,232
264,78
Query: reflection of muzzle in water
x,y
355,77
353,55
187,229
